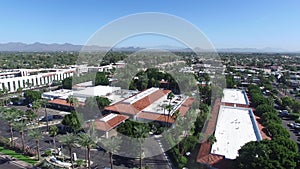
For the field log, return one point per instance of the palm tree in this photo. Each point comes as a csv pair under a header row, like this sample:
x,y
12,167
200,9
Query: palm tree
x,y
36,134
176,114
170,96
44,104
140,132
53,133
212,139
9,116
73,101
69,140
36,105
31,116
21,127
112,145
4,92
19,91
88,140
169,108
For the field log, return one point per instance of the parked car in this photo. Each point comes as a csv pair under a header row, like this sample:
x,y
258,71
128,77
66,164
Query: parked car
x,y
56,117
50,118
296,127
284,113
291,125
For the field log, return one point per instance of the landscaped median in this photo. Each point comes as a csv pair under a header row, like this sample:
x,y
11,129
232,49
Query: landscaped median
x,y
15,155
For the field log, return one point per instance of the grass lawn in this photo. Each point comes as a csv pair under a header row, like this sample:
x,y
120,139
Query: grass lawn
x,y
17,156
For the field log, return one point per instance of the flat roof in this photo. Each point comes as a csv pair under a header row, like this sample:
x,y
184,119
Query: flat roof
x,y
159,106
57,93
235,127
141,95
235,96
95,91
137,105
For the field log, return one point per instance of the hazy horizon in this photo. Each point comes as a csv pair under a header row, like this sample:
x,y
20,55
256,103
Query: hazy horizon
x,y
227,24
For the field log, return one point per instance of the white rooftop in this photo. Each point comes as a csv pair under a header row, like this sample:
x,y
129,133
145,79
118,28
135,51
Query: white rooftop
x,y
85,84
141,95
235,127
235,96
108,117
159,106
95,91
57,94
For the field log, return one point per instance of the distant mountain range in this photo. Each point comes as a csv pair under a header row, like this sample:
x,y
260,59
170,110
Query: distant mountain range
x,y
42,47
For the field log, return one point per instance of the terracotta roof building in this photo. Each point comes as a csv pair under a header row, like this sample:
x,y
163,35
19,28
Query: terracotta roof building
x,y
151,105
108,123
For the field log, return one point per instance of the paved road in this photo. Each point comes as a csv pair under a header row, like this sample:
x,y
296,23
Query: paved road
x,y
99,157
6,163
294,136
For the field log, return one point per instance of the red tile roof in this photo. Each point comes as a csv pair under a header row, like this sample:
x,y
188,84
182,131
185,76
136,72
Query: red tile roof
x,y
184,108
110,124
204,152
139,105
218,161
155,117
61,102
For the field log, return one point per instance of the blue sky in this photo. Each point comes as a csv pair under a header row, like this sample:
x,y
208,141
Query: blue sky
x,y
227,23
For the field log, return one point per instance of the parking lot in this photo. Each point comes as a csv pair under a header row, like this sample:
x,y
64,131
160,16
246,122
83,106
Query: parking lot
x,y
293,131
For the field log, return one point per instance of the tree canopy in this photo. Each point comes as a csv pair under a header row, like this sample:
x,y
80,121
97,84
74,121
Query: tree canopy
x,y
32,95
266,154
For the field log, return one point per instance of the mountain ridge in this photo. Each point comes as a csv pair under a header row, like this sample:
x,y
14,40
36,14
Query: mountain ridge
x,y
54,47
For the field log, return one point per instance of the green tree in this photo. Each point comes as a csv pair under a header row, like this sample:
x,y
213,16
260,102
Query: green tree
x,y
212,139
112,145
36,134
36,105
263,108
270,118
140,132
266,154
44,103
21,126
31,116
72,121
53,133
32,95
70,141
170,96
88,140
102,102
73,101
276,130
287,101
67,83
101,79
287,142
9,115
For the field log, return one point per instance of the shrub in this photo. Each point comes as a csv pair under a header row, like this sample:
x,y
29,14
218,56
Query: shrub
x,y
294,116
297,121
276,130
182,161
262,108
4,142
47,153
270,118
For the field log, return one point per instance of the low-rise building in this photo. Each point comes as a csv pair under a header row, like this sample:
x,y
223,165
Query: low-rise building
x,y
152,105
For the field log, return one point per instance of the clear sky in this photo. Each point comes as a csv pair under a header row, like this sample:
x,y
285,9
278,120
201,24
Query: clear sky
x,y
227,23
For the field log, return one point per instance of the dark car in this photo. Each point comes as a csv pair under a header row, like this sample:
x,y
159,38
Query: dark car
x,y
56,117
